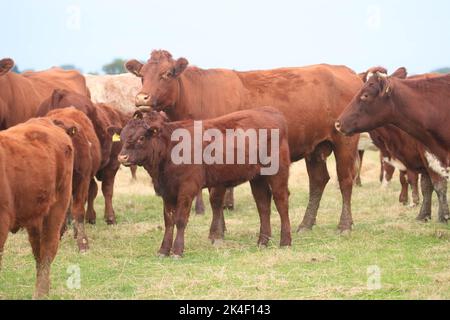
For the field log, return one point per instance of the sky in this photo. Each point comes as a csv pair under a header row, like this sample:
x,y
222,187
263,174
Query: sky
x,y
233,34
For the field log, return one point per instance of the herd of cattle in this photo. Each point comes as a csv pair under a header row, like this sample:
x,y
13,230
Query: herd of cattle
x,y
59,135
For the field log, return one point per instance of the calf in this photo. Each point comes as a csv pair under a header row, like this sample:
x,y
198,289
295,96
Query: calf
x,y
102,117
86,164
36,164
148,142
389,162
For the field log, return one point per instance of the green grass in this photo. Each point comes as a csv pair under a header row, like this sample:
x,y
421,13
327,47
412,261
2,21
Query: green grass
x,y
413,258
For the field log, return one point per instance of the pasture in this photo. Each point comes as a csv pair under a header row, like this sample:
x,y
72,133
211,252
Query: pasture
x,y
413,259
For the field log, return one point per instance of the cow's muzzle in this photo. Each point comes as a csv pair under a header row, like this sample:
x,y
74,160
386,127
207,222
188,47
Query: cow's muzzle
x,y
143,99
124,159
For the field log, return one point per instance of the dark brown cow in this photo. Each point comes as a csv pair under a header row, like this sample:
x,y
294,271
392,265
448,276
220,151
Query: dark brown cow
x,y
86,164
403,147
36,164
102,117
387,143
148,142
420,107
22,94
310,98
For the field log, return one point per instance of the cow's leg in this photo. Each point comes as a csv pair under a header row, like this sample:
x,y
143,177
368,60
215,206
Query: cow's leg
x,y
403,199
199,204
229,199
382,172
440,186
279,186
263,197
166,246
91,215
318,179
217,230
427,193
34,237
184,204
345,153
78,212
358,175
109,176
413,180
4,230
51,227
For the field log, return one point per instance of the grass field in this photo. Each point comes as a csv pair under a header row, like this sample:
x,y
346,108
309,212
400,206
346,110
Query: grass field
x,y
411,258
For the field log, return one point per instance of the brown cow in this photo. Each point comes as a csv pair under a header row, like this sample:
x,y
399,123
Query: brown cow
x,y
388,143
420,107
36,164
102,117
406,149
311,99
22,94
86,164
149,142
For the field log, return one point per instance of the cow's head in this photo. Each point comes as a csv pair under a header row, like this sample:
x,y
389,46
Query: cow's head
x,y
160,85
143,141
372,107
6,65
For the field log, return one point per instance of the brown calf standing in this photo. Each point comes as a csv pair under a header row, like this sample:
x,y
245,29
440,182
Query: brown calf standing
x,y
36,164
147,142
86,164
102,117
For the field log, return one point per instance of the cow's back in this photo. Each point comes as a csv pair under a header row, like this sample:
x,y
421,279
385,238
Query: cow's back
x,y
311,98
36,163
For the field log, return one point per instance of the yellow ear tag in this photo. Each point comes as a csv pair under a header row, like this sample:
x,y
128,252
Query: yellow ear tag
x,y
116,138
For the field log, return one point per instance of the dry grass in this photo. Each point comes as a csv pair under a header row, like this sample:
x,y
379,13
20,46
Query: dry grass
x,y
413,258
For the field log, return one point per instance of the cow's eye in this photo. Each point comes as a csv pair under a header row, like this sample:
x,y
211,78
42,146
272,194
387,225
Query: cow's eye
x,y
141,139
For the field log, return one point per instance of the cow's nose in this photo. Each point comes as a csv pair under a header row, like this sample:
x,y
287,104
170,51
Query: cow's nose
x,y
123,158
338,126
143,99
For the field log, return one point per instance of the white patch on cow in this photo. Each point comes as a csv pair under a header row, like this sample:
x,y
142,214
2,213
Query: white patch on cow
x,y
436,165
384,182
395,163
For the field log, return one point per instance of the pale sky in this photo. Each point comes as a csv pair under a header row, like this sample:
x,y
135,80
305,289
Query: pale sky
x,y
235,34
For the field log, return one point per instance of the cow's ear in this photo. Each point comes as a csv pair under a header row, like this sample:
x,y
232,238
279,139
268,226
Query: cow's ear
x,y
72,131
114,130
180,65
57,96
152,132
386,86
363,76
400,73
138,115
6,65
134,67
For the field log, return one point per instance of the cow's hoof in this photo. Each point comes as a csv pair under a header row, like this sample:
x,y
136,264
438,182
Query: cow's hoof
x,y
163,255
345,232
444,220
91,221
304,229
423,218
217,242
200,212
177,257
111,222
229,207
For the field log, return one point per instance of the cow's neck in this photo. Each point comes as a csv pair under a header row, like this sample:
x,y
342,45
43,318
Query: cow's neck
x,y
411,118
201,94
